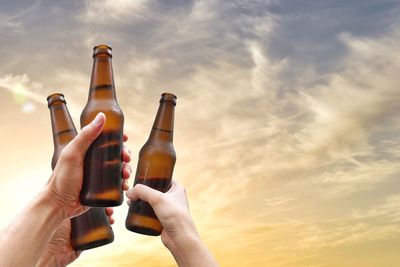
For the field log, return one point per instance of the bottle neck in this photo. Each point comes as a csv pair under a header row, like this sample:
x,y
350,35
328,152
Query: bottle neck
x,y
102,80
62,125
163,126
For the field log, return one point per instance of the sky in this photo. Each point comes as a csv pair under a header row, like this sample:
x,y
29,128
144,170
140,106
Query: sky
x,y
287,124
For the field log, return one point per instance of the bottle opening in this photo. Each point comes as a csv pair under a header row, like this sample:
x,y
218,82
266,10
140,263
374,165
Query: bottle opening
x,y
169,94
102,49
56,97
168,97
102,46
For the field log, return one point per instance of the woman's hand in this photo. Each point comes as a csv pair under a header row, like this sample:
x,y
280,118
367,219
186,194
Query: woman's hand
x,y
179,232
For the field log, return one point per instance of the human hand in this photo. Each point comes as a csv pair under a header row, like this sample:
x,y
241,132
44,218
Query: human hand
x,y
172,209
59,251
66,181
179,233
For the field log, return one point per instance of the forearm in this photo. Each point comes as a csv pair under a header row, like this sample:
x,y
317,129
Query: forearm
x,y
193,253
25,238
188,249
47,260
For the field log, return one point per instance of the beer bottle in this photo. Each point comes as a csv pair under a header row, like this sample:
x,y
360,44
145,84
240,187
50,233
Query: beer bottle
x,y
92,228
155,166
102,180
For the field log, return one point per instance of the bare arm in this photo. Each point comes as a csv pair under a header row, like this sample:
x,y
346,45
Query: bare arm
x,y
25,238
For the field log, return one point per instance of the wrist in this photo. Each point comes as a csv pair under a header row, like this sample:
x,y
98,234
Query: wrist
x,y
184,240
187,247
45,260
184,247
50,199
181,231
193,253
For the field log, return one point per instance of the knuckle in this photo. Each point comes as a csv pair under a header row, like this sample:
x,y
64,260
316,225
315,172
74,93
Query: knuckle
x,y
85,133
156,199
68,155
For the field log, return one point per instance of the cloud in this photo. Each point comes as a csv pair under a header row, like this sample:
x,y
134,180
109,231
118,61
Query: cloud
x,y
21,87
286,129
13,21
379,222
349,107
387,211
106,11
10,23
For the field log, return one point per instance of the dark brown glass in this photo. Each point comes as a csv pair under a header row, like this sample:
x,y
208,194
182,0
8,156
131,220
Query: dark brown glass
x,y
155,166
102,180
92,228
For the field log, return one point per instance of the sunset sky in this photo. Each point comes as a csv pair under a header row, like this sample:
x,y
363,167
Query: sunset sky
x,y
287,128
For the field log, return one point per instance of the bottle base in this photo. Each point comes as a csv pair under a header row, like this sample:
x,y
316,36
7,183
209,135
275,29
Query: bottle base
x,y
143,224
93,244
143,230
101,202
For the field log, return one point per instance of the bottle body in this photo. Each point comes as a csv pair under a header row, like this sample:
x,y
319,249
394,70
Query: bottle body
x,y
102,181
92,228
62,126
155,168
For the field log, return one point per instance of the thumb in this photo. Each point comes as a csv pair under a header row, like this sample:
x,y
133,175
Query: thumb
x,y
88,134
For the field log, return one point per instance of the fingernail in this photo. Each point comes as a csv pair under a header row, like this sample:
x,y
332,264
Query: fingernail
x,y
96,120
129,151
129,193
129,169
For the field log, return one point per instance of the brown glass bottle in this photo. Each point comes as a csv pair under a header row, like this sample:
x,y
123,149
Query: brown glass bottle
x,y
155,166
103,161
92,228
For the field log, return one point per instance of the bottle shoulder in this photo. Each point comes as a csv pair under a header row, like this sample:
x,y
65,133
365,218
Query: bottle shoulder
x,y
111,110
103,104
158,148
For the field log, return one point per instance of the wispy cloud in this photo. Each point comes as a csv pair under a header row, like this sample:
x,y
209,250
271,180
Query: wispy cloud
x,y
14,21
287,130
10,23
21,86
110,11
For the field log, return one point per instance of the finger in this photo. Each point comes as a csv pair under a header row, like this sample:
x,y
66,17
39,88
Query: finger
x,y
126,154
111,220
88,134
126,171
109,211
128,202
125,185
125,138
145,193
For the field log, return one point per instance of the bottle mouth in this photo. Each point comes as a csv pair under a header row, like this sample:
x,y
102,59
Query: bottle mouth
x,y
168,97
102,49
55,97
169,94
